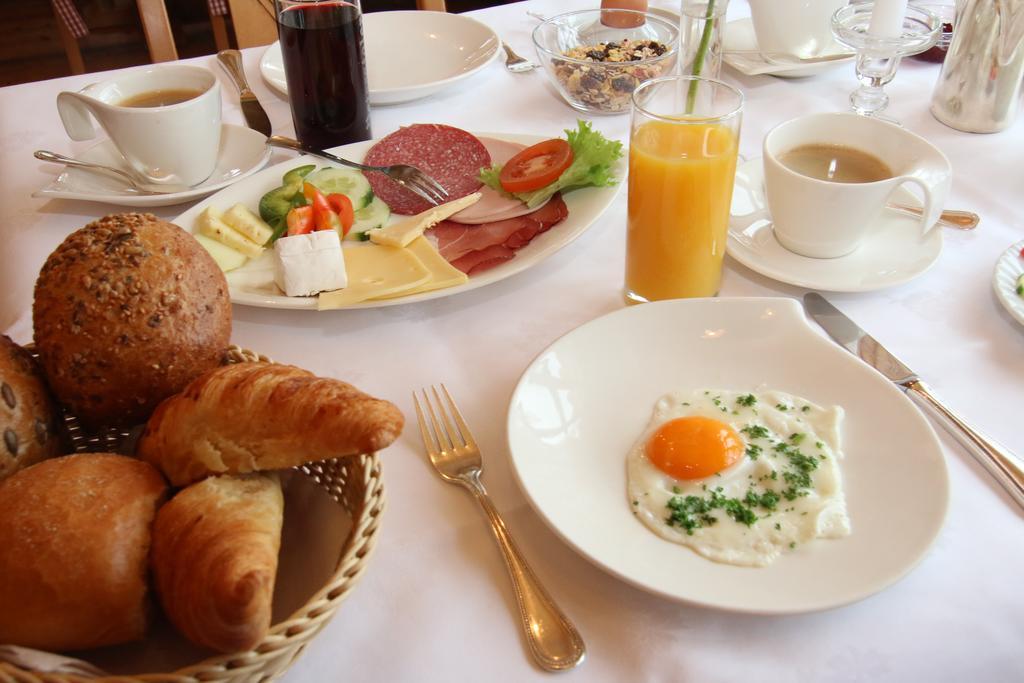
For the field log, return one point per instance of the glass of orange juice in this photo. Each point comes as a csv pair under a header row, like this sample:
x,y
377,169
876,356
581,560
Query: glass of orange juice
x,y
682,162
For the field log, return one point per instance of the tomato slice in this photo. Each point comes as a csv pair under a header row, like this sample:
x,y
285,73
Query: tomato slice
x,y
536,166
300,220
342,206
314,196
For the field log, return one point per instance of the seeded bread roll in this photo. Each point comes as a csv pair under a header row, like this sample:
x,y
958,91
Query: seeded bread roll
x,y
127,311
75,534
28,416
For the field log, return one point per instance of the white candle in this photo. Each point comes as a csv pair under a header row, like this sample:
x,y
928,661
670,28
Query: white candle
x,y
887,18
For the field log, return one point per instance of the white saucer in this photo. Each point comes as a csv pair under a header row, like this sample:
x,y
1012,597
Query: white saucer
x,y
410,54
893,251
243,151
1004,281
739,35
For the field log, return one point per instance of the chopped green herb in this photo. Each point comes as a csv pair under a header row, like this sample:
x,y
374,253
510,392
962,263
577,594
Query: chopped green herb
x,y
753,451
782,407
747,400
819,444
778,527
796,438
756,431
805,409
792,544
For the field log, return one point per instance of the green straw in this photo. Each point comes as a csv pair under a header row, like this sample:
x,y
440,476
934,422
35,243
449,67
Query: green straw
x,y
698,60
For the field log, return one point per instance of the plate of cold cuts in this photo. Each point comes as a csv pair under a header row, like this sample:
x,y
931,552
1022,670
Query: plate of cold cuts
x,y
492,239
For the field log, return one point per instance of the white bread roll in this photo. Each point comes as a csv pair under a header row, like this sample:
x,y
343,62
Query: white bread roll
x,y
74,549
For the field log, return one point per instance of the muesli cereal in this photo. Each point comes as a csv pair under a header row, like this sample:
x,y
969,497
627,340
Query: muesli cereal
x,y
610,73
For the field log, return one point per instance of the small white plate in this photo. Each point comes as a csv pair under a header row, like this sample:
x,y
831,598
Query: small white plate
x,y
1010,267
410,55
583,402
739,35
243,151
893,251
253,283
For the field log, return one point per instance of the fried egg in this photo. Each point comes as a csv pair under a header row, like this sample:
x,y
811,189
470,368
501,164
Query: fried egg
x,y
739,477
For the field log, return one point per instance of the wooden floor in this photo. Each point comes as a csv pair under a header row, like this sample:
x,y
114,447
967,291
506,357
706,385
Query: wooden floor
x,y
31,50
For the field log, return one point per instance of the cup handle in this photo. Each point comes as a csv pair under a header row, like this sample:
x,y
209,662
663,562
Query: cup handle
x,y
75,113
932,209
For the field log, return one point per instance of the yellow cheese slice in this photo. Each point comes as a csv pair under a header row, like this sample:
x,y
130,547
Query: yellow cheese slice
x,y
211,225
248,223
402,233
375,271
442,273
227,258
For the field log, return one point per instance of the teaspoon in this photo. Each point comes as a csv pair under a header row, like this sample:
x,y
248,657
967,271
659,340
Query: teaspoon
x,y
962,220
148,188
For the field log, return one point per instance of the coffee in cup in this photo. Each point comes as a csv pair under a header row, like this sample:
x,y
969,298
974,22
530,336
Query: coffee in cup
x,y
164,120
828,176
801,28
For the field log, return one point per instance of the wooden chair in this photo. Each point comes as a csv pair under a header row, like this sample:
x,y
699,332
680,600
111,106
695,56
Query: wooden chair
x,y
157,28
254,22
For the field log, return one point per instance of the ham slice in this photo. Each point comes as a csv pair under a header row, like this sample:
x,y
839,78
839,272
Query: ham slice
x,y
477,261
493,205
473,248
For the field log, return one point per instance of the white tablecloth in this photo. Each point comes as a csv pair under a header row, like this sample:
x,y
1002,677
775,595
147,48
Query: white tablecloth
x,y
435,604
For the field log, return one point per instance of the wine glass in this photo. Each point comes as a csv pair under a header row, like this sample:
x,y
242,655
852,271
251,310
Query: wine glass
x,y
879,56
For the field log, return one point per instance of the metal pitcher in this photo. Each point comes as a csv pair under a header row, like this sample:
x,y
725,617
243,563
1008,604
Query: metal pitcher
x,y
979,87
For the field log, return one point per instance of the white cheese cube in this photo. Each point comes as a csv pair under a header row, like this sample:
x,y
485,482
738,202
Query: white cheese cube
x,y
307,264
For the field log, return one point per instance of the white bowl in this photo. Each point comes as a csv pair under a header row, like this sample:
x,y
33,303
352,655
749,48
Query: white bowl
x,y
410,55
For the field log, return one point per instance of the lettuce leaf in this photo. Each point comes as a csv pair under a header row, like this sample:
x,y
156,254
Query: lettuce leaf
x,y
593,154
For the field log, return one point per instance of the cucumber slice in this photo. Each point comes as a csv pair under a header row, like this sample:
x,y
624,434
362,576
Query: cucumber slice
x,y
373,215
295,176
348,182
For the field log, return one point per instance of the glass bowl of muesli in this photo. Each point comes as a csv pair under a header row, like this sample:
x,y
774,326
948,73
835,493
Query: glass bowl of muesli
x,y
596,58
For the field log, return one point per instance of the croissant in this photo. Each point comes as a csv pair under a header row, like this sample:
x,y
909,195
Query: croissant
x,y
261,416
214,559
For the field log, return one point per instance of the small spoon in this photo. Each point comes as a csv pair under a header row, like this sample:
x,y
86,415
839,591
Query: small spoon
x,y
148,188
962,220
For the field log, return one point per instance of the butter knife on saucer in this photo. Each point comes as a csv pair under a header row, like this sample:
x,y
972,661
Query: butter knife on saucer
x,y
1003,466
255,116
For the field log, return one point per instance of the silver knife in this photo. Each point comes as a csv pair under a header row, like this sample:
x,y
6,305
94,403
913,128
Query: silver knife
x,y
1003,466
255,117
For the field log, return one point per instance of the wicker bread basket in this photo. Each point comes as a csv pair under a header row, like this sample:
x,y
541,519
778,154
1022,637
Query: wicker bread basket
x,y
355,483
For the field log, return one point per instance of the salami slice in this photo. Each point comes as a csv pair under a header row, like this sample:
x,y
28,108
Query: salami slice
x,y
449,155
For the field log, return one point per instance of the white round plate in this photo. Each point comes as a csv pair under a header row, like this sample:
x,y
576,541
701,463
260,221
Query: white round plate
x,y
584,401
410,55
1010,267
243,151
253,283
739,35
893,251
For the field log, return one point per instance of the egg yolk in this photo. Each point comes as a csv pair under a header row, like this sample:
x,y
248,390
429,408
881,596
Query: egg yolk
x,y
694,447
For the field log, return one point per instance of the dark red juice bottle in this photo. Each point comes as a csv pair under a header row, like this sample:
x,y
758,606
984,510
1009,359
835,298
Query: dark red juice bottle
x,y
324,63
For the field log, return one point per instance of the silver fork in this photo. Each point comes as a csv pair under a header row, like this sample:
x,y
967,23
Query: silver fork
x,y
554,641
515,63
407,176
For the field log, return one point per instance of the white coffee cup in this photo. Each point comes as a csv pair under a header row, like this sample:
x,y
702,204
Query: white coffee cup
x,y
827,219
795,27
174,144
